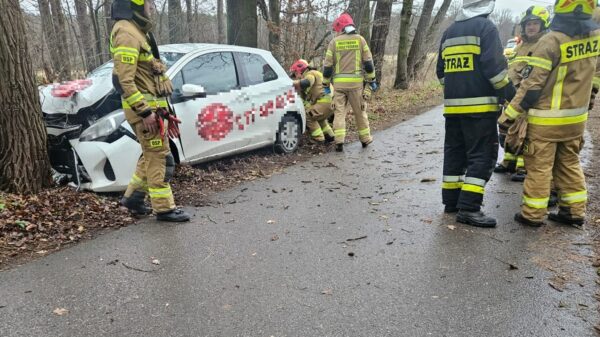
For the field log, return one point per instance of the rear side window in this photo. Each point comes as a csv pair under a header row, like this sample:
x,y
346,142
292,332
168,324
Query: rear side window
x,y
215,72
254,69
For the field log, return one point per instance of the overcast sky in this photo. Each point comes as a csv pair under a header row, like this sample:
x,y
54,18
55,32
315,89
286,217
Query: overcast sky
x,y
519,6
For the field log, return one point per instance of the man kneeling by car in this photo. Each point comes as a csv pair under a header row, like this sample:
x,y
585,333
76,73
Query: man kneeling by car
x,y
139,76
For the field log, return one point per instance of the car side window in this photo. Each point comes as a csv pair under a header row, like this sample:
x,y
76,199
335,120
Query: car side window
x,y
255,69
214,71
177,84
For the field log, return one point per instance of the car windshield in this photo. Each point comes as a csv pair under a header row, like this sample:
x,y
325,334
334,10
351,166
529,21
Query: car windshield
x,y
106,69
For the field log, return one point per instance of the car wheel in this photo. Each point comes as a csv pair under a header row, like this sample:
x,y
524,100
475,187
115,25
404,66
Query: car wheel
x,y
288,135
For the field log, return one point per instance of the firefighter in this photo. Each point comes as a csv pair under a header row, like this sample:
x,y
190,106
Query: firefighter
x,y
534,24
472,67
347,56
139,76
555,98
317,104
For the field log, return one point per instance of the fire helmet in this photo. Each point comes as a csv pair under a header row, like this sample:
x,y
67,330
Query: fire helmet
x,y
575,6
536,13
342,22
124,9
299,67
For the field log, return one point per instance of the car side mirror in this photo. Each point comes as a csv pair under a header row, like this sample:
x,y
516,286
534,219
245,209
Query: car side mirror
x,y
192,91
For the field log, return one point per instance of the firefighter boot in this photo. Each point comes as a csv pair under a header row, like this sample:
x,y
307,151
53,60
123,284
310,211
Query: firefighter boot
x,y
135,203
524,221
475,218
175,215
518,176
553,201
564,216
339,147
329,139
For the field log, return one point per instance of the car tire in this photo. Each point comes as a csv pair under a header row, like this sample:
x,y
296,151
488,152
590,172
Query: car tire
x,y
288,135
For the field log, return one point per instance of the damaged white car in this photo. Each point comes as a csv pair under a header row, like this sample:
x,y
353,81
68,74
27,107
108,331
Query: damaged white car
x,y
230,100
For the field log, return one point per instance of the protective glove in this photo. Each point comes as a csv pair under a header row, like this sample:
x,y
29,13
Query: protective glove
x,y
174,127
327,90
161,125
164,87
367,91
373,86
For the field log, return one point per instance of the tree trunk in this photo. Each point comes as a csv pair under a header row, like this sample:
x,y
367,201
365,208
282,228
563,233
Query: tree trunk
x,y
60,27
50,36
221,22
381,27
174,22
275,28
401,81
242,22
190,20
108,24
432,35
361,14
419,39
24,163
85,35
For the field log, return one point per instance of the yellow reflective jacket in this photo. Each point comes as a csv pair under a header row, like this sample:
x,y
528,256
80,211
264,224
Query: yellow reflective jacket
x,y
132,57
347,54
312,91
521,58
556,94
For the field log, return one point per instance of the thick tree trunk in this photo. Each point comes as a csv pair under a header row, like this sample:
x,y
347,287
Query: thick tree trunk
x,y
190,20
221,28
381,28
275,28
108,24
60,27
50,37
419,39
24,163
401,81
85,35
361,14
242,23
174,20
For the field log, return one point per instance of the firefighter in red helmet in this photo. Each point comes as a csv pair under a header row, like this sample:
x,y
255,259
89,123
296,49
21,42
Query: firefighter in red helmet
x,y
349,67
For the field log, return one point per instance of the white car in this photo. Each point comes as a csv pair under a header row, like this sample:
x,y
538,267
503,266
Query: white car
x,y
230,100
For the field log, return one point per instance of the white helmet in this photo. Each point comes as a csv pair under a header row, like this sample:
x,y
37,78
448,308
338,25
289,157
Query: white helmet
x,y
473,8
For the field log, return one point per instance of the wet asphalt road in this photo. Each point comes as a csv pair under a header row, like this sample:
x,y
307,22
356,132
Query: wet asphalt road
x,y
273,258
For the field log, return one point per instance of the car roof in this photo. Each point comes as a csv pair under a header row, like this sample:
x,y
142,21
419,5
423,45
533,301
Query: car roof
x,y
186,48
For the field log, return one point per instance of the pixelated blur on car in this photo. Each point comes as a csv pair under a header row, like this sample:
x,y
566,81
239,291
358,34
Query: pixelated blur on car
x,y
230,99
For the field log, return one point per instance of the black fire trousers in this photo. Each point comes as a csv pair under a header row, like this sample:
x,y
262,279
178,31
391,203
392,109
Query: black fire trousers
x,y
470,154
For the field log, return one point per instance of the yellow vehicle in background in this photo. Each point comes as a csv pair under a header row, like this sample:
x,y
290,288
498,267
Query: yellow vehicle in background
x,y
510,47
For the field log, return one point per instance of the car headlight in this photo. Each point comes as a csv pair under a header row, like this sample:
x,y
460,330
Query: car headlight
x,y
103,127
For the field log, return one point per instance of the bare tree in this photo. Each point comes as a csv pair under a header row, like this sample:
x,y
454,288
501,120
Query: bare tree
x,y
275,28
50,36
242,23
24,163
221,28
401,81
419,40
174,19
381,26
85,35
361,14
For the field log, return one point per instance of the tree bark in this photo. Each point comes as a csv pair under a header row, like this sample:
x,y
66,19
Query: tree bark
x,y
419,39
275,28
60,28
108,24
24,163
190,20
174,21
221,28
242,22
85,35
361,14
50,36
381,28
401,81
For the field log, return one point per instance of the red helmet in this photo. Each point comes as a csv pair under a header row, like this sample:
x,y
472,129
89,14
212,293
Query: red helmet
x,y
299,67
342,22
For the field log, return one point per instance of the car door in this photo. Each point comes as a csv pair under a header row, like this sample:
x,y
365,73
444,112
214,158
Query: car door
x,y
256,80
207,124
